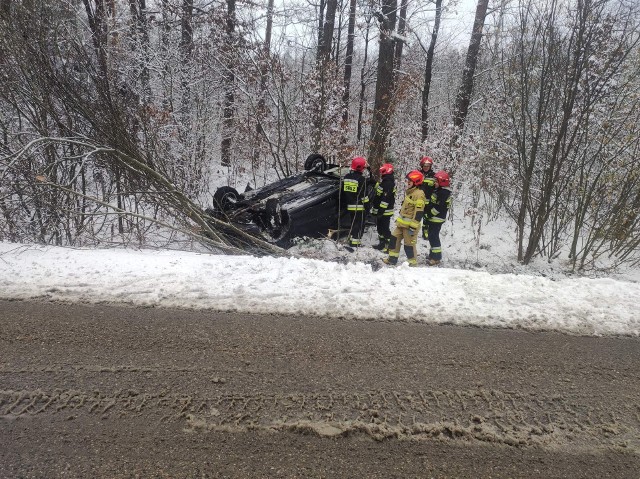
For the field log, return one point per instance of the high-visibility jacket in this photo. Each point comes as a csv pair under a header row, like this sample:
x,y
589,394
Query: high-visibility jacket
x,y
439,205
384,198
412,208
354,189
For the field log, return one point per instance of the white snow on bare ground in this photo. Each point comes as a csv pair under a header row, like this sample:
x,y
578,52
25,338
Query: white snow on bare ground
x,y
303,287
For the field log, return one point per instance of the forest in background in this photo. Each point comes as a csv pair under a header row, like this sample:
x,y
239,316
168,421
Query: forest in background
x,y
117,117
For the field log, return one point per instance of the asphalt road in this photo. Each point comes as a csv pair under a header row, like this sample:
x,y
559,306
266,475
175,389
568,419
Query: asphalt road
x,y
105,391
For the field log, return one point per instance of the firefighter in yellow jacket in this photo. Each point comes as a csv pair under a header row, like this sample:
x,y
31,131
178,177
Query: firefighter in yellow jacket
x,y
408,223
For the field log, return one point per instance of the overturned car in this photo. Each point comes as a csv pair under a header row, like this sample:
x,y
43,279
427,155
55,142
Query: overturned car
x,y
302,205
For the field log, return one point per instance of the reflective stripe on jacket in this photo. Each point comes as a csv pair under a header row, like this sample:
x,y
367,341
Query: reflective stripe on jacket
x,y
439,205
428,184
353,191
385,195
412,208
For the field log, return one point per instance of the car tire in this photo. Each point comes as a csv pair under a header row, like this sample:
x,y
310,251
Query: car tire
x,y
225,197
272,208
315,162
277,222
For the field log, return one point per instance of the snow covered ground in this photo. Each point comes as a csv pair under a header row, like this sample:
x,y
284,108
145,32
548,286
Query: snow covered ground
x,y
352,285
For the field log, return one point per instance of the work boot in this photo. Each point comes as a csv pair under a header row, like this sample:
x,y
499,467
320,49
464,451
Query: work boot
x,y
380,246
413,263
433,262
390,261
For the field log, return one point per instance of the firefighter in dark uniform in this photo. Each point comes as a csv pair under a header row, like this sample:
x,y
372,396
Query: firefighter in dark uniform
x,y
408,223
436,214
382,205
354,196
428,185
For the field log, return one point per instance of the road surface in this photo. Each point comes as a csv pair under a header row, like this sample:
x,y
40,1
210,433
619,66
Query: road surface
x,y
119,392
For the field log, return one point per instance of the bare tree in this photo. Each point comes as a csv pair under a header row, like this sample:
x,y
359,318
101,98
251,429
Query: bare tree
x,y
78,140
186,52
348,62
363,80
385,84
229,79
465,91
428,71
402,26
97,16
140,40
264,66
559,75
323,68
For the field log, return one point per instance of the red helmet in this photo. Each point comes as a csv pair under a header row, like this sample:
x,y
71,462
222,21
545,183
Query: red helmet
x,y
426,160
386,169
442,177
415,177
358,163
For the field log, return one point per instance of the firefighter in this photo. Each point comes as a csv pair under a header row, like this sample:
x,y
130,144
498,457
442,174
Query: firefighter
x,y
408,223
354,196
382,205
436,214
428,185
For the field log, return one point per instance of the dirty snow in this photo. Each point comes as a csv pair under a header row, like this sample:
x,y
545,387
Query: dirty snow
x,y
304,286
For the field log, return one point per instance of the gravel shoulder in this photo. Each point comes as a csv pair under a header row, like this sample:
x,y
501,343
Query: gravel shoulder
x,y
107,391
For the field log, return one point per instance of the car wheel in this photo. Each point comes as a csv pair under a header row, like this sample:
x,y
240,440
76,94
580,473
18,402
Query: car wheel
x,y
273,211
277,221
315,162
225,197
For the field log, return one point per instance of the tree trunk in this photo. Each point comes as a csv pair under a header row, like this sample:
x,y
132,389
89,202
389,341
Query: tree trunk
x,y
326,37
363,83
466,88
186,32
97,18
229,79
348,62
165,31
186,49
385,85
322,60
140,38
428,71
323,4
402,26
264,69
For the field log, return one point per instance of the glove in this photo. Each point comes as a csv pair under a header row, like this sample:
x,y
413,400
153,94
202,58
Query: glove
x,y
412,231
374,211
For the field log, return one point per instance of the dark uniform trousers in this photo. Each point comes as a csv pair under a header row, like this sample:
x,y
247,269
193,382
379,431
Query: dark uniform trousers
x,y
438,209
383,205
383,227
354,197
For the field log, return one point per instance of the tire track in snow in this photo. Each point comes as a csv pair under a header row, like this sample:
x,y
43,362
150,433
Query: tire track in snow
x,y
477,414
